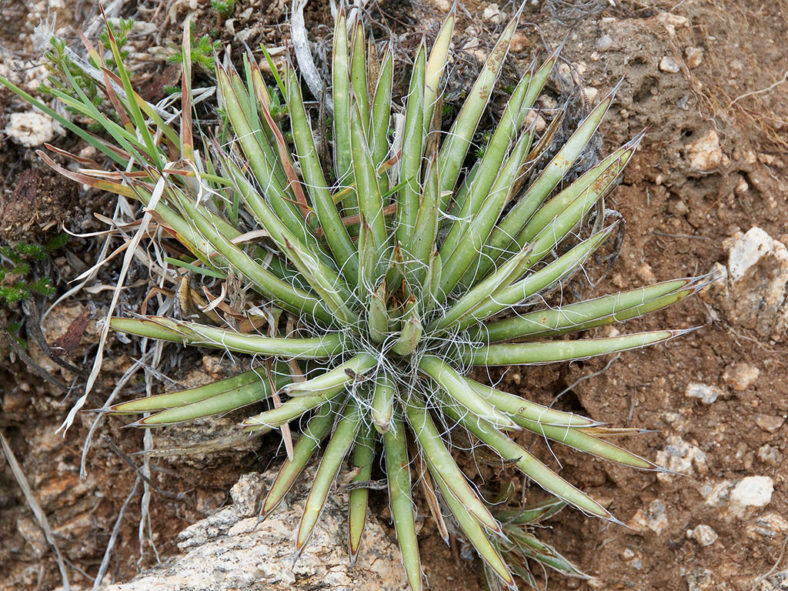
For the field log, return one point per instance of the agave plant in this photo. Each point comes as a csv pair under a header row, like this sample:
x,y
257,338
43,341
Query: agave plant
x,y
367,288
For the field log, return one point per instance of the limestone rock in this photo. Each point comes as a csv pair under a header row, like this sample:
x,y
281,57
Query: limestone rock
x,y
229,550
705,154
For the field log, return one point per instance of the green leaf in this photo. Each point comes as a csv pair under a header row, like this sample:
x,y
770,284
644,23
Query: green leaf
x,y
336,450
400,501
363,458
445,468
192,333
553,351
317,428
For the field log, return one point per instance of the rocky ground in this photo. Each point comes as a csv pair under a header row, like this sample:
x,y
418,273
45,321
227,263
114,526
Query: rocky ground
x,y
706,193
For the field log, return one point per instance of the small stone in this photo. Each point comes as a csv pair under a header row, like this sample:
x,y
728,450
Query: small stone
x,y
669,65
741,187
741,376
746,250
716,495
770,525
705,393
646,273
769,423
769,454
693,56
752,492
590,93
31,128
537,120
245,493
604,43
493,14
703,535
657,516
705,154
682,457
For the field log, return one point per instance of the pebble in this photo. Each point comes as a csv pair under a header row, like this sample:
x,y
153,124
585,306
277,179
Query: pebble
x,y
741,376
769,423
655,519
590,93
705,393
769,454
705,154
540,124
604,43
693,56
703,534
769,525
669,65
748,249
493,14
682,457
31,128
752,492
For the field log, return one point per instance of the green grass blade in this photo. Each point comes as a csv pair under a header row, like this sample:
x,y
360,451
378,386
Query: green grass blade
x,y
338,446
554,351
317,428
400,501
363,457
76,130
445,468
192,333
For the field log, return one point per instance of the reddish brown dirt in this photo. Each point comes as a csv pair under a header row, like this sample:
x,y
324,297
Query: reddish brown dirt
x,y
676,222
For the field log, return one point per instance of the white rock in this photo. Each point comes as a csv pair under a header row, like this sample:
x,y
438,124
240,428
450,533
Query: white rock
x,y
693,56
703,535
748,249
604,43
752,492
493,14
682,457
31,128
590,93
707,394
669,65
230,550
705,154
741,376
